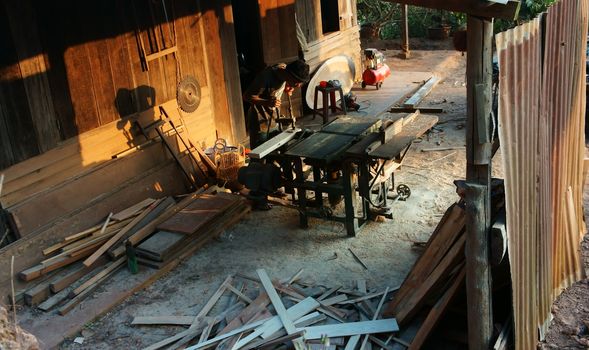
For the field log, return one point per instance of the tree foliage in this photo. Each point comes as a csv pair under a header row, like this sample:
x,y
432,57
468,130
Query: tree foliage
x,y
386,16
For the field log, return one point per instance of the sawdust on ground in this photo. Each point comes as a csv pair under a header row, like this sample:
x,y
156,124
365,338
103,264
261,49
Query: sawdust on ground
x,y
273,241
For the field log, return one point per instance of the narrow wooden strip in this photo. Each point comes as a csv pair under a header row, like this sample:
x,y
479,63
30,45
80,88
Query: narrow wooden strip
x,y
78,298
202,313
105,272
53,300
167,320
329,292
114,239
132,210
352,328
334,300
239,294
73,276
437,311
105,225
375,316
275,299
353,342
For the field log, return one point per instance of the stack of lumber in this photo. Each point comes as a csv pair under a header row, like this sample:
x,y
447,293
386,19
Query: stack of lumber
x,y
202,216
261,313
437,276
78,264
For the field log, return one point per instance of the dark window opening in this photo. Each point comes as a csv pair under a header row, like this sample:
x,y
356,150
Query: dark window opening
x,y
329,16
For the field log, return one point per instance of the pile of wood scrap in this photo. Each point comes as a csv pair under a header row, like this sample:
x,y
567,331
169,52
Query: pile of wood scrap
x,y
437,276
158,231
434,294
262,313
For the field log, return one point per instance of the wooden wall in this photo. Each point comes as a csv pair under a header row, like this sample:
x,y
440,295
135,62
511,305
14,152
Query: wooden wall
x,y
279,40
72,77
69,67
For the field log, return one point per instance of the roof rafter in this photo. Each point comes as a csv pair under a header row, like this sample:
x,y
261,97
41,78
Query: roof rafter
x,y
481,8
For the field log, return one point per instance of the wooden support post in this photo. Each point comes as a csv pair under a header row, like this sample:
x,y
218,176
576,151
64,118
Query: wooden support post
x,y
405,32
478,176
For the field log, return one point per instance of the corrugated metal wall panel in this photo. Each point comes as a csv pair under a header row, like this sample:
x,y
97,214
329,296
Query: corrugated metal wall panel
x,y
541,129
519,122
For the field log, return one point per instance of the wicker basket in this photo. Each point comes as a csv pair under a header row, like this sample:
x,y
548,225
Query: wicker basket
x,y
228,159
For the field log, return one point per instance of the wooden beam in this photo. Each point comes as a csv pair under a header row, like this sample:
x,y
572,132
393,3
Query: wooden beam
x,y
480,8
405,32
422,93
478,176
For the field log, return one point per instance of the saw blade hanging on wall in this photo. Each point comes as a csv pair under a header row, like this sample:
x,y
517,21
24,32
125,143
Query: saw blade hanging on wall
x,y
188,94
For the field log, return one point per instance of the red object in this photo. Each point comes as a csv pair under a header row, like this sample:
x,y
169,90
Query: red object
x,y
375,76
323,83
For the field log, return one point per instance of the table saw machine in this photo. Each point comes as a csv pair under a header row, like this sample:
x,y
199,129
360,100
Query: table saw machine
x,y
350,158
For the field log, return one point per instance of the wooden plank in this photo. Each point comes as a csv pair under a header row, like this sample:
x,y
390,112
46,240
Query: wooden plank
x,y
375,316
353,342
41,269
160,244
414,301
75,275
53,300
202,313
161,53
114,239
352,328
162,320
293,313
89,289
422,93
485,9
37,294
164,205
275,143
445,234
132,210
437,311
98,277
198,213
275,299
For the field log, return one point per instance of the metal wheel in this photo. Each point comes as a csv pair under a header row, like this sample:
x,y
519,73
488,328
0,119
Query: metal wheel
x,y
363,85
404,192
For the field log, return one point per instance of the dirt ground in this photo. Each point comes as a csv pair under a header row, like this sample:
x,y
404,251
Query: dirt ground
x,y
273,241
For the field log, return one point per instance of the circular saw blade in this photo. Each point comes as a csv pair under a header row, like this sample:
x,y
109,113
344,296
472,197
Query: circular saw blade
x,y
188,94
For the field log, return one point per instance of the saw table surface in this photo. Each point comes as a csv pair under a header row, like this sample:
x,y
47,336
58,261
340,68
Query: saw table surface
x,y
410,132
322,146
354,126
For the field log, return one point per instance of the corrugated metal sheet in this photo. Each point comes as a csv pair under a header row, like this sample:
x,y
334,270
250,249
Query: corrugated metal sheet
x,y
520,62
541,129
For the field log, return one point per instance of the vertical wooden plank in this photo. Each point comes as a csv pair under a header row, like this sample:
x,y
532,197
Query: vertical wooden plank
x,y
210,21
270,29
289,45
17,125
54,36
231,69
190,45
478,175
23,26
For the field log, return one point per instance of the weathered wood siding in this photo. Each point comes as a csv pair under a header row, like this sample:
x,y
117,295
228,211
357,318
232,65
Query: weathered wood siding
x,y
72,78
69,67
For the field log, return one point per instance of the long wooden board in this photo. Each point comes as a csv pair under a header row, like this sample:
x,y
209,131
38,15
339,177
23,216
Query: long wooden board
x,y
410,132
196,214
